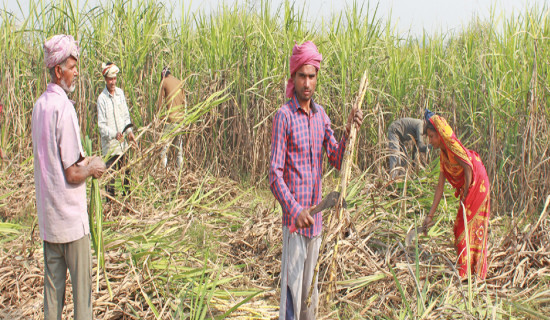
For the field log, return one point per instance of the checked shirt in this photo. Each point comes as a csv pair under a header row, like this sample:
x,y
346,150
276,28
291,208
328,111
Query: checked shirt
x,y
295,172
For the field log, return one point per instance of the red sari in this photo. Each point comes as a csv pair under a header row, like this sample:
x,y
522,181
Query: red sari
x,y
477,203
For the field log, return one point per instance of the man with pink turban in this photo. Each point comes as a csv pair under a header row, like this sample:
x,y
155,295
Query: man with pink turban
x,y
301,130
60,172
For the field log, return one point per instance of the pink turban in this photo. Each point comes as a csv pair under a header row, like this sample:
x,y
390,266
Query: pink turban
x,y
306,53
58,48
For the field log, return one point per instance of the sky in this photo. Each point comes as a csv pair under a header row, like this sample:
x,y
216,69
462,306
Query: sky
x,y
408,16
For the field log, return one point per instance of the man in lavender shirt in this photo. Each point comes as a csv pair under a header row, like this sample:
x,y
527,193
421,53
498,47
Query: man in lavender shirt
x,y
60,172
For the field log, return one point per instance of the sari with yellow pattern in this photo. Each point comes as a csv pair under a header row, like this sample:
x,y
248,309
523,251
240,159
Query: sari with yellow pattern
x,y
476,204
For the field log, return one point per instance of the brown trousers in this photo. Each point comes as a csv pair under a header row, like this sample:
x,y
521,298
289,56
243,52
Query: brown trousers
x,y
77,257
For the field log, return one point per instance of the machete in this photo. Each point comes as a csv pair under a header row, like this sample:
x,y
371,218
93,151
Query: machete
x,y
412,234
128,126
328,202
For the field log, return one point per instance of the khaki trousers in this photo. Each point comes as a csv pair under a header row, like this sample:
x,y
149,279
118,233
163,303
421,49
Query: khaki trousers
x,y
77,257
298,264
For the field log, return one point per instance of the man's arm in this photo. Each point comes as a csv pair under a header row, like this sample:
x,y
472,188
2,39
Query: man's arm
x,y
126,113
76,167
422,147
278,156
335,150
127,121
84,168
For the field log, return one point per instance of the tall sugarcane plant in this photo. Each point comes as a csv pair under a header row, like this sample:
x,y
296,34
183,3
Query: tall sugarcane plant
x,y
95,216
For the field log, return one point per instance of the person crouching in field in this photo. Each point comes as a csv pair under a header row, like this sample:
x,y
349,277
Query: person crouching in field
x,y
60,172
171,91
301,129
399,132
465,171
113,120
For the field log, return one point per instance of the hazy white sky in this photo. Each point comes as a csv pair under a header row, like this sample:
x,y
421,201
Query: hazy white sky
x,y
407,15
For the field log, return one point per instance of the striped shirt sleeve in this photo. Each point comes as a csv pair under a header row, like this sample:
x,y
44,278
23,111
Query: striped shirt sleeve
x,y
335,150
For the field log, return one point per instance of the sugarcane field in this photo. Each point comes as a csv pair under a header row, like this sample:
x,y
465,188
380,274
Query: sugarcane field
x,y
256,161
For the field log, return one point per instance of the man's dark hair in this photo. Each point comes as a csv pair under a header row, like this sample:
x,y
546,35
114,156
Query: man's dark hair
x,y
165,72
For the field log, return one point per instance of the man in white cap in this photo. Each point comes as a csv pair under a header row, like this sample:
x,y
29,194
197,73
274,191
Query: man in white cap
x,y
113,119
60,172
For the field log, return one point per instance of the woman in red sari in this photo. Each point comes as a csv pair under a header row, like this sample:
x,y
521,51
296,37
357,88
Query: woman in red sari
x,y
465,172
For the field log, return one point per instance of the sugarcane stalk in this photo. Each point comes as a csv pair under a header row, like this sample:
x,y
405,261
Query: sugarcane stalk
x,y
346,172
95,216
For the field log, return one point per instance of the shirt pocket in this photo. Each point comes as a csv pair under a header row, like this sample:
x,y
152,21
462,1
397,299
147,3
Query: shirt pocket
x,y
298,144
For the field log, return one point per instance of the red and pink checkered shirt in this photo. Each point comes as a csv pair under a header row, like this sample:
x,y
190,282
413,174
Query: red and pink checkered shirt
x,y
295,172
